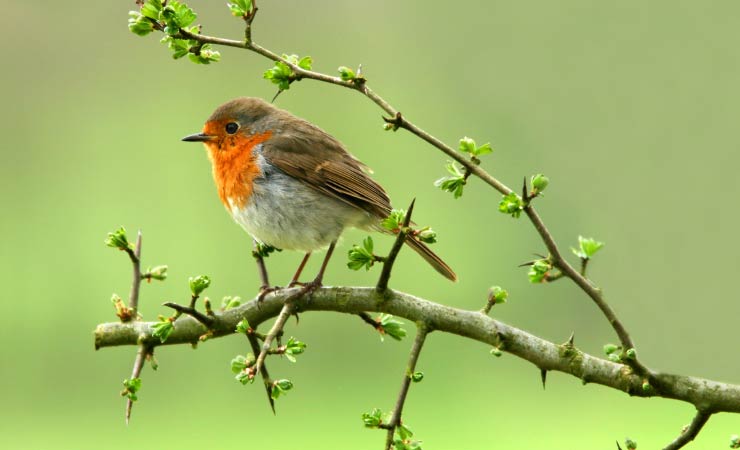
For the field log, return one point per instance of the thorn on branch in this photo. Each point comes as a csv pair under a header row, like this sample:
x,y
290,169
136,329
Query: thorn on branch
x,y
133,384
263,370
543,376
385,274
394,123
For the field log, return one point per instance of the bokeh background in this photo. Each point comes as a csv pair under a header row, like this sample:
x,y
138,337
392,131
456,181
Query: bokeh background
x,y
629,107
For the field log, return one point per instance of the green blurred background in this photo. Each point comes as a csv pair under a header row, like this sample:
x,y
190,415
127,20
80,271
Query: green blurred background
x,y
629,107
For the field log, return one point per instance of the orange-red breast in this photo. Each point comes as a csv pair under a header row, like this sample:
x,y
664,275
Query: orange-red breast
x,y
291,185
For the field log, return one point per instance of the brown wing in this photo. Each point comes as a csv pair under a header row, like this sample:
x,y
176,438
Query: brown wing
x,y
309,154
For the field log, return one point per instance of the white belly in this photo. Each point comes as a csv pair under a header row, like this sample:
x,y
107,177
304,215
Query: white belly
x,y
292,216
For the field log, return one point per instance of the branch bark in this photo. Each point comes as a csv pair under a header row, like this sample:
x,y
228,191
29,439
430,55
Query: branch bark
x,y
706,395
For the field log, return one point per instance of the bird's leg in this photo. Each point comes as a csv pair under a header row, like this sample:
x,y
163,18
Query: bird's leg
x,y
265,288
260,265
316,283
297,275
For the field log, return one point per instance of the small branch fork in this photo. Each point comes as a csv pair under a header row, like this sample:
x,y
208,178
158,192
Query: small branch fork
x,y
395,422
277,328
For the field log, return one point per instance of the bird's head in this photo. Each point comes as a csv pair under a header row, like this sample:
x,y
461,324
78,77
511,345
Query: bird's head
x,y
236,126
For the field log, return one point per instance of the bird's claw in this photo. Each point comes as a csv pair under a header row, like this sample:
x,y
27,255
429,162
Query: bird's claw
x,y
264,290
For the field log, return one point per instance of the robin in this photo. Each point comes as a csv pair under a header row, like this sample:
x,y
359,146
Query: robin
x,y
290,184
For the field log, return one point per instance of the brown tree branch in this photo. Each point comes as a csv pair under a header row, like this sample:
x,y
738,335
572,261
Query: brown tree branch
x,y
706,395
688,435
395,422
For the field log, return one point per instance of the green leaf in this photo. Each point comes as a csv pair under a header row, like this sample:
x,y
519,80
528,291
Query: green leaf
x,y
483,149
539,183
242,326
734,441
610,348
454,183
305,63
156,273
199,284
346,74
151,9
404,432
511,204
417,376
630,444
497,295
390,326
294,347
280,74
394,221
244,377
467,145
427,235
240,8
138,24
117,239
131,387
230,302
163,329
360,257
280,387
239,363
205,55
264,250
539,271
372,419
587,247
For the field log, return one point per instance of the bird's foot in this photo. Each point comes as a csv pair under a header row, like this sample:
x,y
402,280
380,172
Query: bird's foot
x,y
306,288
264,290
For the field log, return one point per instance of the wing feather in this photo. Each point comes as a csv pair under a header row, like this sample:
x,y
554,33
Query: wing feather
x,y
309,154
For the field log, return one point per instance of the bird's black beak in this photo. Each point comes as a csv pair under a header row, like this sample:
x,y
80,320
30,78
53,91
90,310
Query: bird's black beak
x,y
198,137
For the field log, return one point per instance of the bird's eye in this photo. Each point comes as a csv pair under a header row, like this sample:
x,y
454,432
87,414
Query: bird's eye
x,y
231,127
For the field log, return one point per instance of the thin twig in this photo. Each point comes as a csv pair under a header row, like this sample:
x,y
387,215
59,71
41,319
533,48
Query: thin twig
x,y
690,433
133,299
585,285
141,355
192,312
385,274
367,318
277,327
252,337
421,334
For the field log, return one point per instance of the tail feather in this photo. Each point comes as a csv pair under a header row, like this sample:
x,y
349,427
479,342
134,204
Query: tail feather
x,y
430,257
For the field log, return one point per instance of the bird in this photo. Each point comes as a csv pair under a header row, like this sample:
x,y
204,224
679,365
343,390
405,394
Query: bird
x,y
291,185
